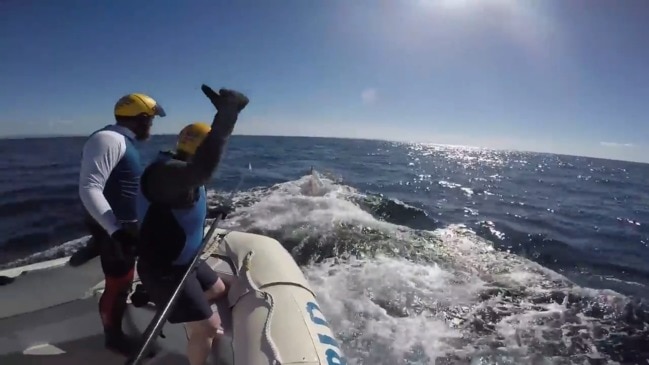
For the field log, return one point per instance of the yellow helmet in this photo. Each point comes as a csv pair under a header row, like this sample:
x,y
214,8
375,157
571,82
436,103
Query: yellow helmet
x,y
191,137
135,104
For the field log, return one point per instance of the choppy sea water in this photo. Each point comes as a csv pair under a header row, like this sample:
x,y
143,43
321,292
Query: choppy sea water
x,y
420,254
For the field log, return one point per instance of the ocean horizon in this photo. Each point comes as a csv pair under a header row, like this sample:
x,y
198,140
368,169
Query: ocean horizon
x,y
42,136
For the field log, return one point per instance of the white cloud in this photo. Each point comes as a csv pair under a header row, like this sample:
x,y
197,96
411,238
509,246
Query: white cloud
x,y
615,144
369,96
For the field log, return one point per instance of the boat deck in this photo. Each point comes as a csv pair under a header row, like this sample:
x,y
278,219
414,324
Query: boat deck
x,y
50,317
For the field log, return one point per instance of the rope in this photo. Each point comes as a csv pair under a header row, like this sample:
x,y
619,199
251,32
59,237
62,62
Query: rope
x,y
245,268
213,246
271,304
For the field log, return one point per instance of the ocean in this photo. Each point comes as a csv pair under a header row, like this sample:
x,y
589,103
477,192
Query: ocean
x,y
419,253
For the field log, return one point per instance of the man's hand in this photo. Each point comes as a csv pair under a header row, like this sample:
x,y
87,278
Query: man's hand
x,y
222,210
226,98
124,241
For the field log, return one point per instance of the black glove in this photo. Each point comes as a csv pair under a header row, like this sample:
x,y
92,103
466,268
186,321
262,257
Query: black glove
x,y
222,210
125,241
226,98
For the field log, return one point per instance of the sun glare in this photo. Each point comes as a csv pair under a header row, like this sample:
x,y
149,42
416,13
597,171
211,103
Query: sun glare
x,y
451,4
468,4
525,24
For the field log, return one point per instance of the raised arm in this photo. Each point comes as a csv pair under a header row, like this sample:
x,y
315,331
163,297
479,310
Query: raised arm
x,y
101,153
169,181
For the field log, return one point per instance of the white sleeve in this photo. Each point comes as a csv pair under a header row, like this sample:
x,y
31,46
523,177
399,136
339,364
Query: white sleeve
x,y
101,153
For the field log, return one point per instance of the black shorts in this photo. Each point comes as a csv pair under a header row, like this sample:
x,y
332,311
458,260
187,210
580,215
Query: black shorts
x,y
192,304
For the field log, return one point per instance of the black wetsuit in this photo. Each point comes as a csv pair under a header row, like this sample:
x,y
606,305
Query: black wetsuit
x,y
172,209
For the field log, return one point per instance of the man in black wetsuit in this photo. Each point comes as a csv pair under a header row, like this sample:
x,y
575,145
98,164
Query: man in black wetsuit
x,y
172,208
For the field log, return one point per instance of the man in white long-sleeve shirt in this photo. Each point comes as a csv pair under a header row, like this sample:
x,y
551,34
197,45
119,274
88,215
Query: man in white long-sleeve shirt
x,y
108,184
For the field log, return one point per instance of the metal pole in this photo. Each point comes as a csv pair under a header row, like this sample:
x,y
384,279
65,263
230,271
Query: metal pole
x,y
155,326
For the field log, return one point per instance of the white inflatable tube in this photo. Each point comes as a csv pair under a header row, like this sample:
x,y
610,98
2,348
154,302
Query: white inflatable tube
x,y
276,318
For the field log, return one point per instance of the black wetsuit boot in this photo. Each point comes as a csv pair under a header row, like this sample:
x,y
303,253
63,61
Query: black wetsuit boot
x,y
112,306
115,340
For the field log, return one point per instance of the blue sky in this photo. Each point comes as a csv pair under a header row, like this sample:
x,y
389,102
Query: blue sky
x,y
553,76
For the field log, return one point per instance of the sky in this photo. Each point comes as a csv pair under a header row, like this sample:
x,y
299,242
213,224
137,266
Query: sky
x,y
550,76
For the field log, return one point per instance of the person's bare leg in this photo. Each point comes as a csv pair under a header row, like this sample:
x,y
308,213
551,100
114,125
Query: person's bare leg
x,y
216,291
201,336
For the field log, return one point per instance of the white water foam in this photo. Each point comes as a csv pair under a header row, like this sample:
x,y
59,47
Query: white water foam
x,y
389,310
62,250
370,302
301,206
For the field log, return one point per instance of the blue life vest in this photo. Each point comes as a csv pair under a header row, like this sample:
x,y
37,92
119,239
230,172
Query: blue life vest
x,y
122,185
170,235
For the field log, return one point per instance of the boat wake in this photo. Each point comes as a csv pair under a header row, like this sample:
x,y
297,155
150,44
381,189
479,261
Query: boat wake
x,y
398,293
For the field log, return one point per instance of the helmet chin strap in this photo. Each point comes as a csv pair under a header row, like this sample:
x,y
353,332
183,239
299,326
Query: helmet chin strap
x,y
143,133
